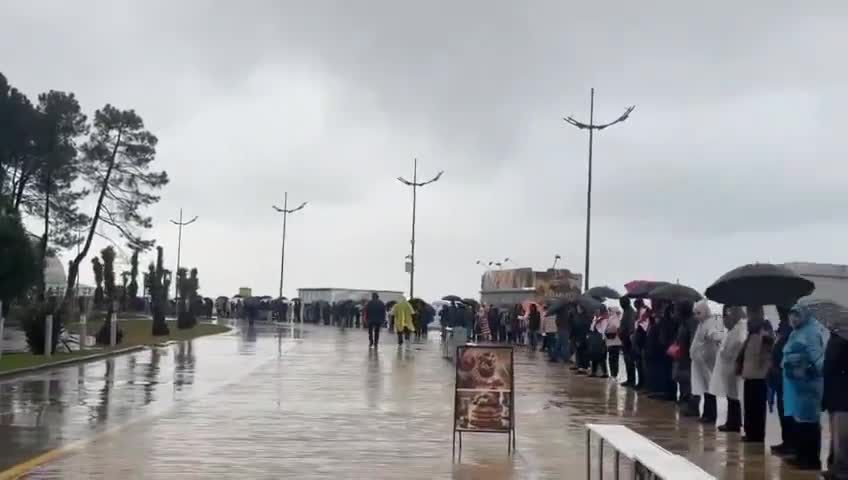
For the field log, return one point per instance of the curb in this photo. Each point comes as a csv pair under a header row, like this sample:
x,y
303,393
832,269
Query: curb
x,y
70,361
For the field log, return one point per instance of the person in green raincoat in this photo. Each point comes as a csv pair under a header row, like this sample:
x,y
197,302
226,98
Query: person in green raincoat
x,y
402,312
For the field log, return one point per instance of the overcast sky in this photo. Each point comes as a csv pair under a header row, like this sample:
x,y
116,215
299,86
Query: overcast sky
x,y
733,154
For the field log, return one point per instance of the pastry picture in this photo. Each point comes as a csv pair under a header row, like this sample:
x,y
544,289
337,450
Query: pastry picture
x,y
486,411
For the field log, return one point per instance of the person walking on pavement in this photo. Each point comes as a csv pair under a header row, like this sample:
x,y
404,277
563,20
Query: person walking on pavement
x,y
803,384
402,313
753,366
724,382
835,403
375,316
625,332
704,350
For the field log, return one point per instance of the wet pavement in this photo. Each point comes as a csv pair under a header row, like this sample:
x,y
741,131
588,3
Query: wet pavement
x,y
280,403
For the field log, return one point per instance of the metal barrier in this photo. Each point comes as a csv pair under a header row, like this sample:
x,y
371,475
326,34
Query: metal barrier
x,y
650,460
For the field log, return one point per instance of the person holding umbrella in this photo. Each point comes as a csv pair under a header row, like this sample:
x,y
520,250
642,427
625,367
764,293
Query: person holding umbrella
x,y
803,384
724,382
753,366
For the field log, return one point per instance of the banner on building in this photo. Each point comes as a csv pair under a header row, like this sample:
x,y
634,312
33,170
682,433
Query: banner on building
x,y
484,398
557,283
507,279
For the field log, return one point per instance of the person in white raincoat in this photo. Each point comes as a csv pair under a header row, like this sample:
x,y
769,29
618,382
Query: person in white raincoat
x,y
704,351
724,381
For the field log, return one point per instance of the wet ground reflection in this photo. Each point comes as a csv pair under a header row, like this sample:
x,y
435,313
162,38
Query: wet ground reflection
x,y
264,403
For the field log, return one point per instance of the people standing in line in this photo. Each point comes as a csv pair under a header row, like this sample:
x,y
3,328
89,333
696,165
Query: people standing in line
x,y
402,313
639,342
580,325
493,316
597,344
753,366
682,369
549,339
803,384
534,324
655,354
704,351
775,382
625,333
835,403
468,322
375,316
668,326
516,323
724,382
613,341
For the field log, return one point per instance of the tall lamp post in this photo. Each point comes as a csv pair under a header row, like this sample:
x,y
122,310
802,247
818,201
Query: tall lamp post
x,y
180,224
415,184
285,211
591,126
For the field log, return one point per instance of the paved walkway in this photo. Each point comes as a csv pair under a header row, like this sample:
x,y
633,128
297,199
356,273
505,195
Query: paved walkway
x,y
260,404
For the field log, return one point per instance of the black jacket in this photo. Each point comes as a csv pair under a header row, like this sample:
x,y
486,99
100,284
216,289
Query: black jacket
x,y
835,397
375,312
625,330
534,321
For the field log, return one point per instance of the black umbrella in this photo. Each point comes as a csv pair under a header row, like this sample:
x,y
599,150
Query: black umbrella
x,y
760,284
390,304
471,302
603,292
418,304
675,293
832,315
452,298
641,288
588,303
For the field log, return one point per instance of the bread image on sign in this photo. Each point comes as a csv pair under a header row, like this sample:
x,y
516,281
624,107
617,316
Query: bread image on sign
x,y
483,410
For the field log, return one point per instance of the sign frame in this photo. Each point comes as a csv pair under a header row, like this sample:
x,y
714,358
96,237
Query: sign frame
x,y
458,430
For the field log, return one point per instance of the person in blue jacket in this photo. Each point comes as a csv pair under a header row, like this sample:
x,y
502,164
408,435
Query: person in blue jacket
x,y
803,384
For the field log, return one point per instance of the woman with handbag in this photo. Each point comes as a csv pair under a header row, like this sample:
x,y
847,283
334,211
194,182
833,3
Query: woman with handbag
x,y
682,367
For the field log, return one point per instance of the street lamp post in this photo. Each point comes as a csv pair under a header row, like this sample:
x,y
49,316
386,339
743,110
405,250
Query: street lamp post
x,y
180,224
591,126
285,211
415,184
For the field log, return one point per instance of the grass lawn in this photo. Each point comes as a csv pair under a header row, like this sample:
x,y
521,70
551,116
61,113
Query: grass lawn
x,y
136,332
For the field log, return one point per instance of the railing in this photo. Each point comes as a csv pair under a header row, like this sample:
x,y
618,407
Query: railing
x,y
650,461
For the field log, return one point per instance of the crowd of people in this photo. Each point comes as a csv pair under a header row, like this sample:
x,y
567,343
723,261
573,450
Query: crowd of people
x,y
680,352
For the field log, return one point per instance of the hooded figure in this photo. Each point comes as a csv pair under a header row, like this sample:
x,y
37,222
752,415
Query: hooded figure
x,y
402,312
724,382
803,383
704,351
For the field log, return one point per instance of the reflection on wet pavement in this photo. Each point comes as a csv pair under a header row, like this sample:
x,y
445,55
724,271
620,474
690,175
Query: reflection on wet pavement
x,y
264,403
